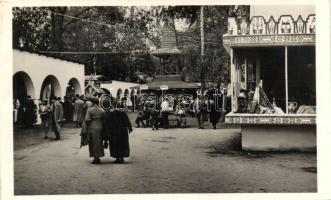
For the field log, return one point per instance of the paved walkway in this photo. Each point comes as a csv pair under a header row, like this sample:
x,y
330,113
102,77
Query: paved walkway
x,y
167,161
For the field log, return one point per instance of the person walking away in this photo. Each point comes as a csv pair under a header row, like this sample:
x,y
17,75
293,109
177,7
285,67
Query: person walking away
x,y
56,117
94,119
118,127
214,115
78,111
44,112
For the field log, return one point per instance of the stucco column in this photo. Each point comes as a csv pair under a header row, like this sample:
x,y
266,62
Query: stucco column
x,y
37,101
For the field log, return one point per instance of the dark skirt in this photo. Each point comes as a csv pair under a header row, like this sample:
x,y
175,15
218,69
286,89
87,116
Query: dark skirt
x,y
119,143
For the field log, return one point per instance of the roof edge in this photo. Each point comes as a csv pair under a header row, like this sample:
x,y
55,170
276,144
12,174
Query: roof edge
x,y
47,55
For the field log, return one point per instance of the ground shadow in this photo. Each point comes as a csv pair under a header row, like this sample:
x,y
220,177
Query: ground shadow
x,y
232,148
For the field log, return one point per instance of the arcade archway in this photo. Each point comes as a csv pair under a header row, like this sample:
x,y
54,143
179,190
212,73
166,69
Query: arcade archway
x,y
119,93
22,86
126,93
73,87
50,88
107,91
132,94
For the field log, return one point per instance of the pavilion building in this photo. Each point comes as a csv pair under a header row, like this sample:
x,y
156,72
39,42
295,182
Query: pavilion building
x,y
168,79
273,68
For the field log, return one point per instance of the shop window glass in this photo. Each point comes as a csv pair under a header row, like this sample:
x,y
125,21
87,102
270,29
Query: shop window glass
x,y
301,80
262,72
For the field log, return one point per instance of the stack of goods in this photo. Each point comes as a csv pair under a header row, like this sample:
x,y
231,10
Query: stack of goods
x,y
306,110
257,102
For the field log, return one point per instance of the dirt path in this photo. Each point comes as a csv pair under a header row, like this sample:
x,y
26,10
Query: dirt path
x,y
167,161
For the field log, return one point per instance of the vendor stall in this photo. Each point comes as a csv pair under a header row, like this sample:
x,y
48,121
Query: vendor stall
x,y
273,81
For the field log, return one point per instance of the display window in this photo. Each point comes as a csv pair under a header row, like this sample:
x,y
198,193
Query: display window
x,y
274,80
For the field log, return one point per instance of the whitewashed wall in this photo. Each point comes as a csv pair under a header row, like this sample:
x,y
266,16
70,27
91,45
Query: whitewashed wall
x,y
35,68
38,67
116,85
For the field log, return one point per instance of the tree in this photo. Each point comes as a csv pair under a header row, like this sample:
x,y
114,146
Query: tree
x,y
126,34
31,29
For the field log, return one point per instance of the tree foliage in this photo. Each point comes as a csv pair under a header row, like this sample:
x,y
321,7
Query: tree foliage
x,y
127,34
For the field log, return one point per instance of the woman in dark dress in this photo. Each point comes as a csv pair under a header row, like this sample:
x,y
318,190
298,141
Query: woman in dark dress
x,y
117,127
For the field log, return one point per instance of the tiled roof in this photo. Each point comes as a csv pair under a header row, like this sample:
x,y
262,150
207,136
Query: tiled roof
x,y
168,39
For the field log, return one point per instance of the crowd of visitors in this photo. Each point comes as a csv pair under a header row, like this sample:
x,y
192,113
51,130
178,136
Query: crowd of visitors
x,y
157,113
109,126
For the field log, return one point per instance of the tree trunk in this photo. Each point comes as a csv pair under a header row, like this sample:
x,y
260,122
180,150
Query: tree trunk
x,y
57,20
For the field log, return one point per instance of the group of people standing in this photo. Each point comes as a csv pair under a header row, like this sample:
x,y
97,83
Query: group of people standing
x,y
51,116
156,115
55,112
25,112
104,128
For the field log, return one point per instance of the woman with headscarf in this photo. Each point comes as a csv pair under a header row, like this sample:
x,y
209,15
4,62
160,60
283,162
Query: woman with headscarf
x,y
94,121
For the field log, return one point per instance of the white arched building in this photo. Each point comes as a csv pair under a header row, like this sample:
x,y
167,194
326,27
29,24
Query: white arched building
x,y
41,76
120,89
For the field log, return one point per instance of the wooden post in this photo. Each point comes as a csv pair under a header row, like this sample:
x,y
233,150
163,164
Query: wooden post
x,y
202,32
286,80
233,81
202,71
258,69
